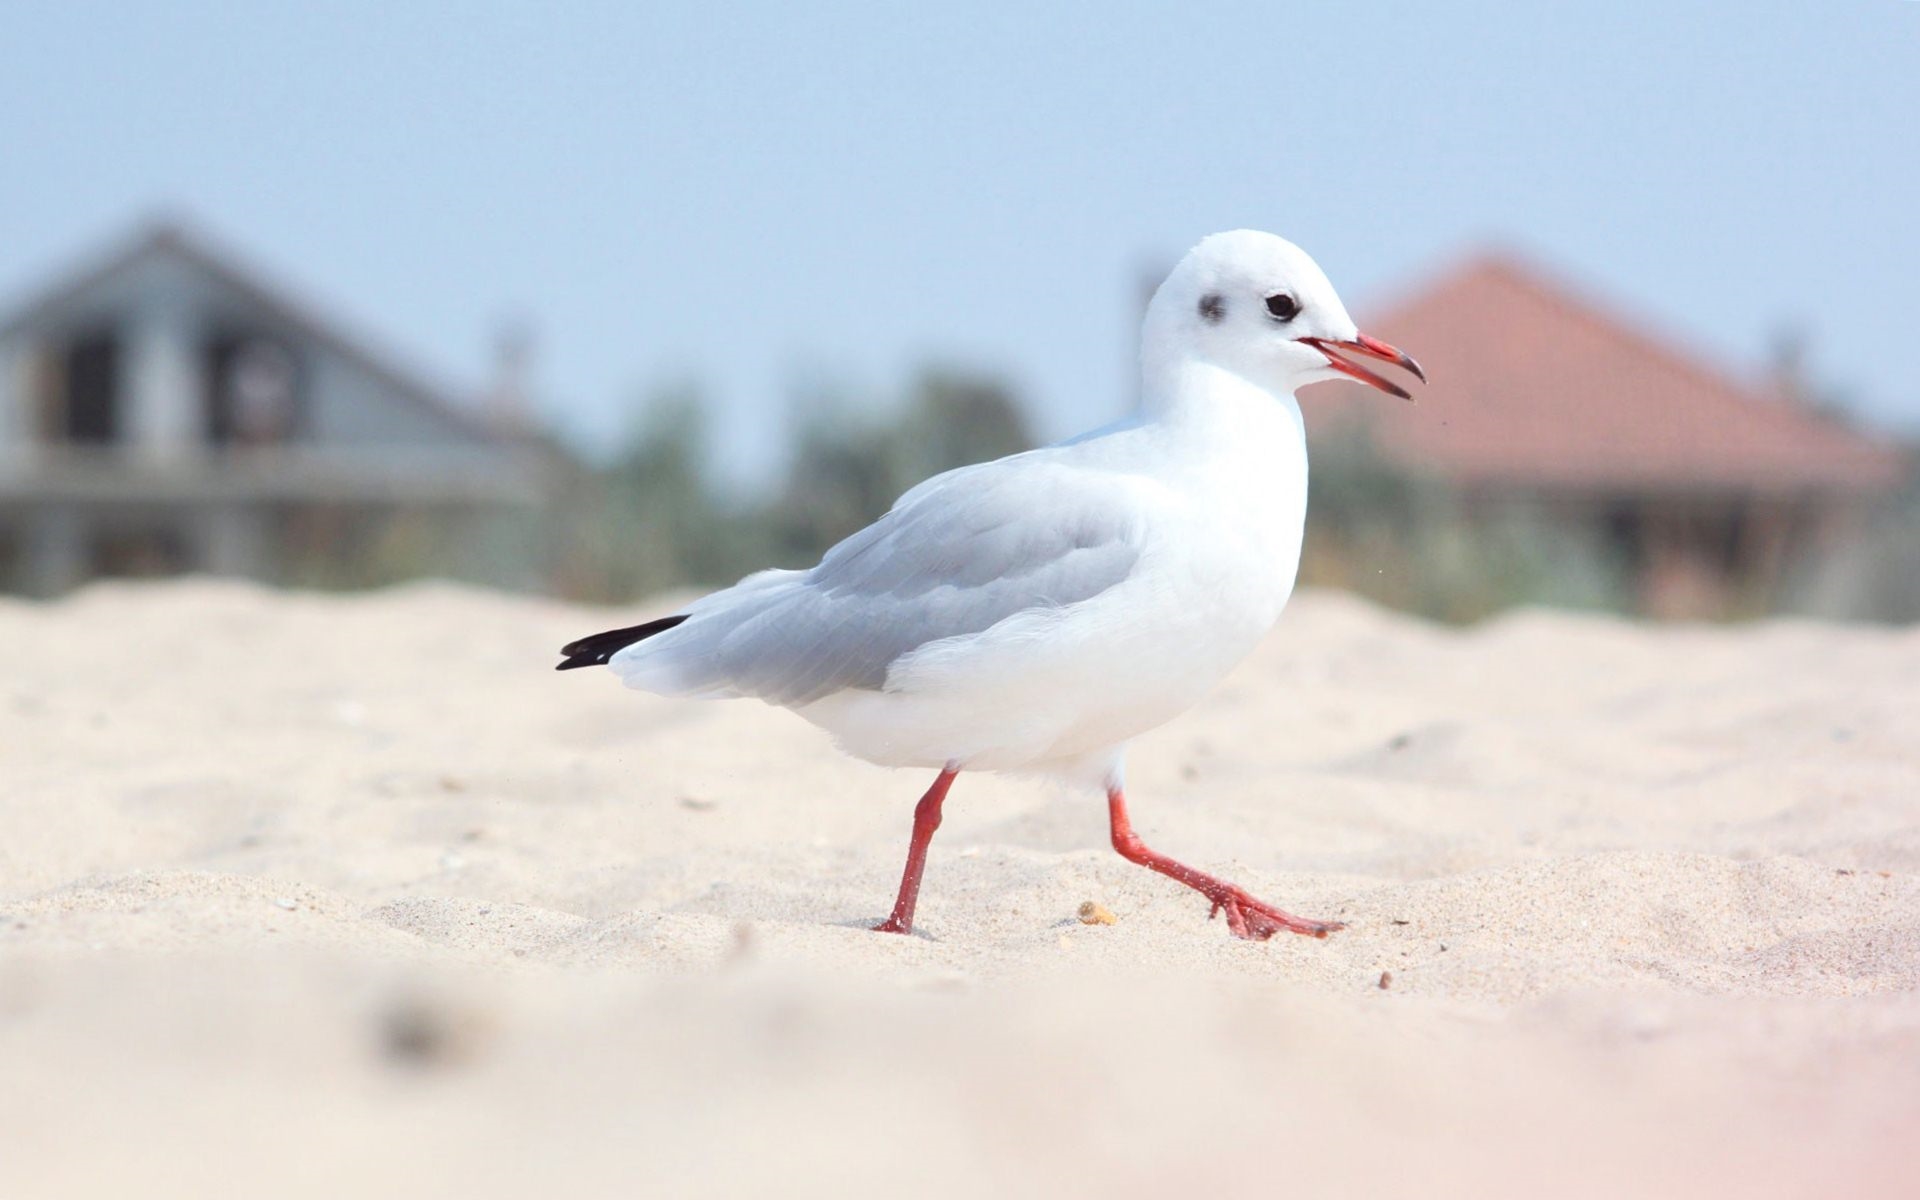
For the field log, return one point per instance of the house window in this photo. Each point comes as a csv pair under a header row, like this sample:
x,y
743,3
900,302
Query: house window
x,y
253,392
92,410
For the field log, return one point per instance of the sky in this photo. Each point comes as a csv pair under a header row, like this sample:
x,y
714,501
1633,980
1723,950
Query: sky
x,y
761,197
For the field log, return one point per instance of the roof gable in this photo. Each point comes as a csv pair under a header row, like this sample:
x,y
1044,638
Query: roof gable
x,y
1533,386
173,243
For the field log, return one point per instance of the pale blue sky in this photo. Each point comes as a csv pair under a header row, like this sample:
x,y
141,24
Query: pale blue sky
x,y
751,194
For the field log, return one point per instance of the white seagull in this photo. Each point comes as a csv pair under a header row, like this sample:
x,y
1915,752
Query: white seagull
x,y
1037,613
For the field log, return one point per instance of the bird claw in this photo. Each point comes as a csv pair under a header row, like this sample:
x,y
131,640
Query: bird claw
x,y
1256,920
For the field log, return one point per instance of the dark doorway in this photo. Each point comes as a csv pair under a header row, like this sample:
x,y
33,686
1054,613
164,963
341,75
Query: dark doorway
x,y
93,390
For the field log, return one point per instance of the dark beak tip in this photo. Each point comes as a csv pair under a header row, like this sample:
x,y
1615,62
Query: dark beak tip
x,y
1373,348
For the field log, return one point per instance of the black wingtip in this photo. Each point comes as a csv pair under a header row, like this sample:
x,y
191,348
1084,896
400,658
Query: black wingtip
x,y
595,649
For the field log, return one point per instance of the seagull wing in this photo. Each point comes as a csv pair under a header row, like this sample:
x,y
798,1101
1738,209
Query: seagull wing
x,y
956,556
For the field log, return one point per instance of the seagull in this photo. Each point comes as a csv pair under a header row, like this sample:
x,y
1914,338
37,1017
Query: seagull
x,y
1037,613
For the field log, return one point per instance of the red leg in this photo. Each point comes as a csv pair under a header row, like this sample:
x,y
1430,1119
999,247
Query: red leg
x,y
926,819
1246,916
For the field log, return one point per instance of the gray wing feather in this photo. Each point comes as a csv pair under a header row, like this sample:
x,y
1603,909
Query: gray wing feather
x,y
956,556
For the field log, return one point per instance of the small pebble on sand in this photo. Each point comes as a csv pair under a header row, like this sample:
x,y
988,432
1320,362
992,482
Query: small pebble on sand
x,y
1094,913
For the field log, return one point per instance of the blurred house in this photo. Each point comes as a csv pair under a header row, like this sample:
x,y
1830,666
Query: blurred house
x,y
165,409
1705,490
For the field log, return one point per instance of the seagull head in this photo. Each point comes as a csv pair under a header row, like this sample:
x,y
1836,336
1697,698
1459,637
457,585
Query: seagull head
x,y
1258,306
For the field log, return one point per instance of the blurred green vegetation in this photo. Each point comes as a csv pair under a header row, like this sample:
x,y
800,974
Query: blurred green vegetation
x,y
1418,545
1422,546
1873,574
656,517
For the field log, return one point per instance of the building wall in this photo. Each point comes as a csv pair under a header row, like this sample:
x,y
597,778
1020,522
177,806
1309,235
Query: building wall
x,y
350,407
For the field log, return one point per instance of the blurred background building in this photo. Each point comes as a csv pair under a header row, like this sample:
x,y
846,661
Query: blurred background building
x,y
1647,478
165,409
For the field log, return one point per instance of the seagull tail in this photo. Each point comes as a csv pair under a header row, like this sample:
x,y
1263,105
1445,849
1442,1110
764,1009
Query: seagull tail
x,y
596,649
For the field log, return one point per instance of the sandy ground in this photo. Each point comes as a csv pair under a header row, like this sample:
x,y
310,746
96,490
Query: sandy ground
x,y
322,896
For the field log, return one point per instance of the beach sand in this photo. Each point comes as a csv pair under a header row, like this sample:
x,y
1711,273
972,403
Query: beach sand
x,y
331,896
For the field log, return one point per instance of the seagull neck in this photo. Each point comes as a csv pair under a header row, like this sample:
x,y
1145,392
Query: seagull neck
x,y
1196,397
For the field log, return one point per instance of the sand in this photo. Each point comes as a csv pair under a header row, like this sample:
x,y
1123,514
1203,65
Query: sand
x,y
308,895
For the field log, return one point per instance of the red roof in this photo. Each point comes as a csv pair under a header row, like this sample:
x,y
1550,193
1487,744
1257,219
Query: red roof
x,y
1535,387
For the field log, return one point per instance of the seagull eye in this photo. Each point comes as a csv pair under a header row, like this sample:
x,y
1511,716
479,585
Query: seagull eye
x,y
1283,307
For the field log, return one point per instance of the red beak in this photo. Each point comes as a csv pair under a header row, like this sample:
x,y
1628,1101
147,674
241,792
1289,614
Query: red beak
x,y
1372,348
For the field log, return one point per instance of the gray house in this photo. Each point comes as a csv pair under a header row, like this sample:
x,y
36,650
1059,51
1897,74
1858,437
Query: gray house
x,y
165,410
